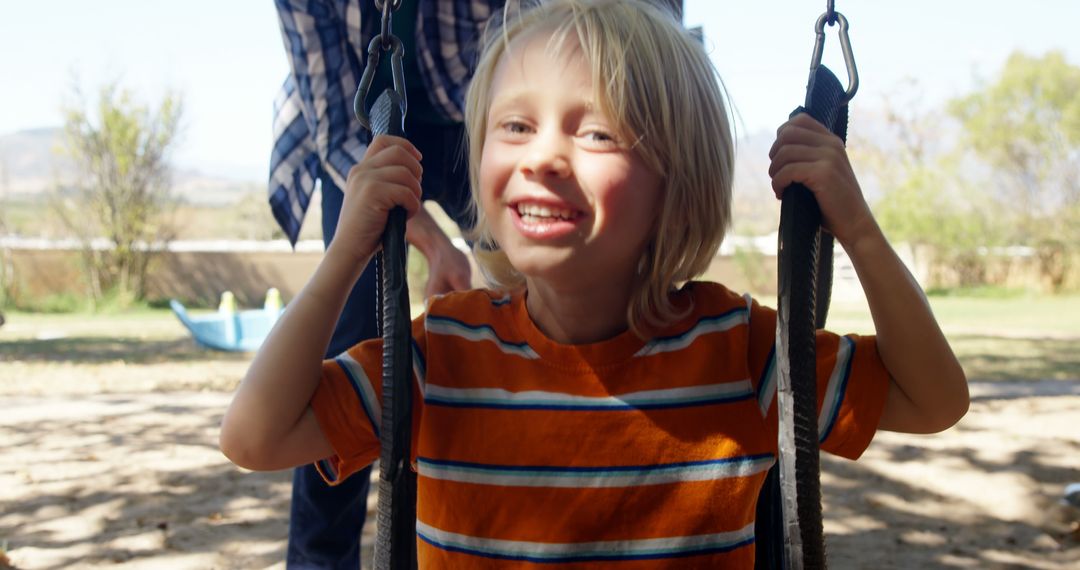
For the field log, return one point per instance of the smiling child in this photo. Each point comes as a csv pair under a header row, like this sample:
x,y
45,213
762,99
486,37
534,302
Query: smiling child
x,y
595,406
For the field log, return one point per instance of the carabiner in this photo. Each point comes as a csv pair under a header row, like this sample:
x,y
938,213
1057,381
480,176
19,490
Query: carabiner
x,y
845,46
397,70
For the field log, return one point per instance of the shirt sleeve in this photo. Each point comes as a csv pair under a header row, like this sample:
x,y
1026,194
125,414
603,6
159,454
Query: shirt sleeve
x,y
294,162
325,67
852,383
348,404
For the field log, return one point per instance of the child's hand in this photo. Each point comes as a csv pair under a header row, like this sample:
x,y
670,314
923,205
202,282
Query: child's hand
x,y
806,152
388,176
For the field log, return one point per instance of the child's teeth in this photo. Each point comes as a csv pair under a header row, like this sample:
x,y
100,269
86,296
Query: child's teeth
x,y
538,211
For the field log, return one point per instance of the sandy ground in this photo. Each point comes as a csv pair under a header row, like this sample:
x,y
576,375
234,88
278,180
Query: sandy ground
x,y
114,464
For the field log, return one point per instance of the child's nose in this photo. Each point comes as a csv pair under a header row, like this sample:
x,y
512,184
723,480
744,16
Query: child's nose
x,y
547,157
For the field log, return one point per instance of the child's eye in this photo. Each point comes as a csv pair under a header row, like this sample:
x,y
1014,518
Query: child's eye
x,y
600,138
515,127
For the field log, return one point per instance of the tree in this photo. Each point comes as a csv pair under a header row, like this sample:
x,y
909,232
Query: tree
x,y
1026,127
925,201
123,190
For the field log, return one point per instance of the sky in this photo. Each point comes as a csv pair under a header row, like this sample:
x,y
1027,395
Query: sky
x,y
227,59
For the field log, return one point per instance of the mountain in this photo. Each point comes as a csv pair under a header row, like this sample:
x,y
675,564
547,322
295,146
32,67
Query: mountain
x,y
28,163
32,162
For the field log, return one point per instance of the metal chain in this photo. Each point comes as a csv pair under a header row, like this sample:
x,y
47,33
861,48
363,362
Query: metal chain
x,y
830,12
394,5
387,11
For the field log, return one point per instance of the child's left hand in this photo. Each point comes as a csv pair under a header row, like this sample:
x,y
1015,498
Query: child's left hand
x,y
807,153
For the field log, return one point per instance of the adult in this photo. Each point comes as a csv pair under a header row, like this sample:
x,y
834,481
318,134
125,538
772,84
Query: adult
x,y
318,138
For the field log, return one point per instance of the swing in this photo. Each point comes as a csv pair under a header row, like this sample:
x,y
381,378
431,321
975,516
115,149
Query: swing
x,y
395,538
788,525
788,522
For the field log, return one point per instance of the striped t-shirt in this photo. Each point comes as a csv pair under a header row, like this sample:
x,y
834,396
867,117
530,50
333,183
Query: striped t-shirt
x,y
624,453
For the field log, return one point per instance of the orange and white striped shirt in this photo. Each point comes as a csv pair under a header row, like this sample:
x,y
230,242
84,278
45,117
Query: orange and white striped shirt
x,y
624,453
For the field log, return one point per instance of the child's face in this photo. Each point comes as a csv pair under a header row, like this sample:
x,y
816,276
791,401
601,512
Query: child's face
x,y
564,198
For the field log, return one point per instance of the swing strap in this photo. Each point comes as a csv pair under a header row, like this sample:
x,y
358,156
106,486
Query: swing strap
x,y
395,530
788,525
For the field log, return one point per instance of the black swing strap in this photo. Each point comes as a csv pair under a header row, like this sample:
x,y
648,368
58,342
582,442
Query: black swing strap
x,y
395,531
793,532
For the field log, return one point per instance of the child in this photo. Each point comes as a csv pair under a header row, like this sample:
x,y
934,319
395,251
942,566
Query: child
x,y
592,407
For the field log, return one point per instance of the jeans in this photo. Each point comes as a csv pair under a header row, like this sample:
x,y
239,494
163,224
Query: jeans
x,y
325,522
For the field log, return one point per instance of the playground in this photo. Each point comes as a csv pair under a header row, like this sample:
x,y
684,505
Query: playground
x,y
110,456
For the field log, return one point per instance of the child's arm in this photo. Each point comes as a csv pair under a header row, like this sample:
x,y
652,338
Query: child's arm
x,y
929,390
269,424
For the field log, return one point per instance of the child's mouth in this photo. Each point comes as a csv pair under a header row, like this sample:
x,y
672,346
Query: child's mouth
x,y
544,221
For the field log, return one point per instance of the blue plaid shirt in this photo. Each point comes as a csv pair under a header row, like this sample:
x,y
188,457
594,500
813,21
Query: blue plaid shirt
x,y
326,42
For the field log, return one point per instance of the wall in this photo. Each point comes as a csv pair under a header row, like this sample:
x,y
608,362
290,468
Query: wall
x,y
194,277
198,274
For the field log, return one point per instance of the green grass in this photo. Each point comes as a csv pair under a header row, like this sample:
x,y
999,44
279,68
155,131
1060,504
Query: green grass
x,y
998,336
134,324
140,350
998,359
1011,338
1026,315
1015,315
979,292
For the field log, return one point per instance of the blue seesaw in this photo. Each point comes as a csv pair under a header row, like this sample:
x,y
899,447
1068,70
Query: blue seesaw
x,y
229,329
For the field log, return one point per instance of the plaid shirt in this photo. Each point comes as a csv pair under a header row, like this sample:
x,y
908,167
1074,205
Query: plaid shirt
x,y
326,42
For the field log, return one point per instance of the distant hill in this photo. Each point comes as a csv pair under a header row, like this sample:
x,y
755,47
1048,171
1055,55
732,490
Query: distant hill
x,y
28,163
33,161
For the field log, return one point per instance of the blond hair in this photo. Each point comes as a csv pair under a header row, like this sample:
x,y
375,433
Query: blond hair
x,y
660,90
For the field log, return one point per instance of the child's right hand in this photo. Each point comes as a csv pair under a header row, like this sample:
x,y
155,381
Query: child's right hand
x,y
388,176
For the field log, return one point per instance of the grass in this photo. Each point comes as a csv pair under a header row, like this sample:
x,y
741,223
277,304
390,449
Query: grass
x,y
1015,315
145,350
1010,338
138,337
1021,316
997,359
997,337
140,323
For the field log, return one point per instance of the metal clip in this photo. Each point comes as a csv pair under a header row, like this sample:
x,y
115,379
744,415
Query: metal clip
x,y
845,46
397,69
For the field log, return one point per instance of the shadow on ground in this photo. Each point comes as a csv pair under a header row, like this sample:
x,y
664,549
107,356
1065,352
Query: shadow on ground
x,y
999,358
135,482
136,478
985,494
885,512
102,349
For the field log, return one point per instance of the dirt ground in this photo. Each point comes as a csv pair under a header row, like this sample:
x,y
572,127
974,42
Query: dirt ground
x,y
108,459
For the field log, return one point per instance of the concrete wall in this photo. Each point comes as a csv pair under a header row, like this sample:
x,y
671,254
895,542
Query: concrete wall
x,y
191,276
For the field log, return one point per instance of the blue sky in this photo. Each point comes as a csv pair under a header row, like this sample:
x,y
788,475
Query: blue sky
x,y
227,59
